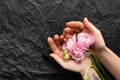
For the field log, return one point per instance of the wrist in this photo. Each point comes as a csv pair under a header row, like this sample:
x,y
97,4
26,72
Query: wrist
x,y
83,72
100,51
87,70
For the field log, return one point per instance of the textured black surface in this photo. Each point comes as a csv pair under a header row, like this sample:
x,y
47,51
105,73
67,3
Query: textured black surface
x,y
26,24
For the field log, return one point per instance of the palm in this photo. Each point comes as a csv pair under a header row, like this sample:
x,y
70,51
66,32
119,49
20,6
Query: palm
x,y
75,66
71,65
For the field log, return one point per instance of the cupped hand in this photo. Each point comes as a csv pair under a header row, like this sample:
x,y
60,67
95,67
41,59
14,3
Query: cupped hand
x,y
55,45
74,27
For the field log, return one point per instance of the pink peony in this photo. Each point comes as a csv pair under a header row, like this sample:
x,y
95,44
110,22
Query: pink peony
x,y
70,43
77,53
85,39
78,44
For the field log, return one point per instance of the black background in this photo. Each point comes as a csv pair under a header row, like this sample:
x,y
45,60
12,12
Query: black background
x,y
26,24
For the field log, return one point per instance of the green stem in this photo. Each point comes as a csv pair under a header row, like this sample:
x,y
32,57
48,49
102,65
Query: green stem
x,y
100,70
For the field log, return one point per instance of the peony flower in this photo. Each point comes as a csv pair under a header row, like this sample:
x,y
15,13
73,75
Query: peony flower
x,y
70,43
77,48
77,53
78,44
85,39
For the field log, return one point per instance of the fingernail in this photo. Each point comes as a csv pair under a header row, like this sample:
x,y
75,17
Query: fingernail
x,y
86,18
49,37
51,55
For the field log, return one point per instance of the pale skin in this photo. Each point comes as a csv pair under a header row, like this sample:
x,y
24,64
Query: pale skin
x,y
57,55
106,56
71,65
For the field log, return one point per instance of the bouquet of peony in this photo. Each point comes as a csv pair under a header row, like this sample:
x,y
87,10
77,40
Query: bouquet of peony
x,y
78,47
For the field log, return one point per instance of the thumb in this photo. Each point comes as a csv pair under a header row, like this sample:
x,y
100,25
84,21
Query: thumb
x,y
89,25
57,58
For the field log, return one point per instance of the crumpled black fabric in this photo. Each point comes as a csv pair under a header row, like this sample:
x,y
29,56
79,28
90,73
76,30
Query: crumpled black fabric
x,y
26,24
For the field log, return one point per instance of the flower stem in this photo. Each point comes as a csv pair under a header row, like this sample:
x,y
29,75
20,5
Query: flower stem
x,y
99,68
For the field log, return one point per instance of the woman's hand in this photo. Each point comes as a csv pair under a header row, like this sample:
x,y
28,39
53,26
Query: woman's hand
x,y
55,45
74,27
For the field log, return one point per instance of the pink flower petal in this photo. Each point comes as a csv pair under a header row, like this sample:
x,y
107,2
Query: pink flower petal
x,y
78,44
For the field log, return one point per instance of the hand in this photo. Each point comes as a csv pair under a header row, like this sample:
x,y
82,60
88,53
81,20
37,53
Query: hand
x,y
55,45
74,27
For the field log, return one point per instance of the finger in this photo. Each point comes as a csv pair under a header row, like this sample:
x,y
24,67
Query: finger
x,y
53,46
75,24
71,30
57,59
61,39
89,25
68,36
57,41
68,32
65,39
86,30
